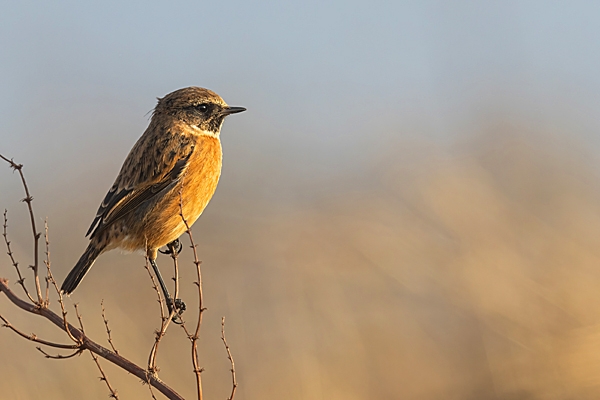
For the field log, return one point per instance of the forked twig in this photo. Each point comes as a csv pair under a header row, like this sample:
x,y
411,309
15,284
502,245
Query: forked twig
x,y
233,380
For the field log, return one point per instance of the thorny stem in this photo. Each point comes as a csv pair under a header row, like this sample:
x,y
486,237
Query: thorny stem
x,y
15,263
66,325
113,392
108,331
233,380
47,262
36,235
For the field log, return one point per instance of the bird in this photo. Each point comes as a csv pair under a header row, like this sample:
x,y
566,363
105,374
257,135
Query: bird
x,y
171,172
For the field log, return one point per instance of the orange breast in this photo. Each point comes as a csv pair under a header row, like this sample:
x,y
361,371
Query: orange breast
x,y
201,177
198,186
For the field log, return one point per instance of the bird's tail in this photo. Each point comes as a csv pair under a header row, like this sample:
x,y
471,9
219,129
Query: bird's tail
x,y
81,268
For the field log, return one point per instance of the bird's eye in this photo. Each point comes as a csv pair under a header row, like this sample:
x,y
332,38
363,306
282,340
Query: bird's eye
x,y
202,108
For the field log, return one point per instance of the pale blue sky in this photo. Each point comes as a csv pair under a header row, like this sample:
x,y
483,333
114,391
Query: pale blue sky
x,y
319,79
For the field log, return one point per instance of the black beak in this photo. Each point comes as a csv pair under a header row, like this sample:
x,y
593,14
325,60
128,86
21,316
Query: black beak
x,y
232,110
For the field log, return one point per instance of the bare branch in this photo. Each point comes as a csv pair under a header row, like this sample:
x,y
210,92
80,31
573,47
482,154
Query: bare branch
x,y
36,235
233,380
40,307
88,344
15,263
108,331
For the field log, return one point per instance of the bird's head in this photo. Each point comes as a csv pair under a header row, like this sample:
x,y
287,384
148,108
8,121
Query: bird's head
x,y
198,107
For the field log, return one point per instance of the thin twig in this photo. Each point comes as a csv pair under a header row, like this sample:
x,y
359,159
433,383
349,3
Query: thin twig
x,y
15,263
233,380
76,306
50,279
113,392
33,337
149,385
66,324
36,235
47,263
59,356
108,331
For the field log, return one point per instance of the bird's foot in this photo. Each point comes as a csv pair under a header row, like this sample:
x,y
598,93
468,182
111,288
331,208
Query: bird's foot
x,y
174,247
178,306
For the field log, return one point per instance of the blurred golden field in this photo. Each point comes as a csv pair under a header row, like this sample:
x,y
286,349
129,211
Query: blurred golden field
x,y
463,270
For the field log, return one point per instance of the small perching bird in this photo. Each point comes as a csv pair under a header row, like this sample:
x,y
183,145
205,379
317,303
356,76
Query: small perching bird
x,y
174,166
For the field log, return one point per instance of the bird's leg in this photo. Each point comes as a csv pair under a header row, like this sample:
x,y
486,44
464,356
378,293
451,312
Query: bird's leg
x,y
177,303
174,248
162,284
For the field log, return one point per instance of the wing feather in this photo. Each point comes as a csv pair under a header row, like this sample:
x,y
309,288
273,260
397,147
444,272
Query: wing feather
x,y
151,169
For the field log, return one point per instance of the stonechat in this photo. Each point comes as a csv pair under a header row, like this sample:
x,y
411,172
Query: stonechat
x,y
174,167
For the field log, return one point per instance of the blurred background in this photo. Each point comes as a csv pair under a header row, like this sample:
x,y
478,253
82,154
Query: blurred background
x,y
409,209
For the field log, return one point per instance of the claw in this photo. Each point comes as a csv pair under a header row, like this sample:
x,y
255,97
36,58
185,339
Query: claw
x,y
179,306
174,246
